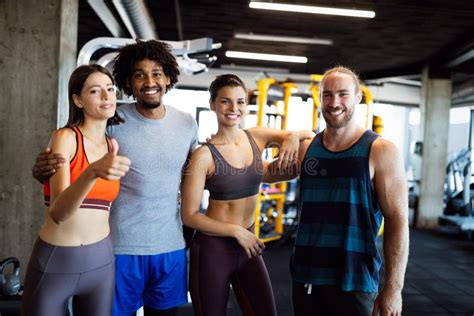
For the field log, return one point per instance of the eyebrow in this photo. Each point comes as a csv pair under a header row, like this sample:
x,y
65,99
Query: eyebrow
x,y
227,98
142,70
99,86
341,90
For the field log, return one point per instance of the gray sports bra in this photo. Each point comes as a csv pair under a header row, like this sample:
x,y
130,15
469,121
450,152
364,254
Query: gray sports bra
x,y
230,183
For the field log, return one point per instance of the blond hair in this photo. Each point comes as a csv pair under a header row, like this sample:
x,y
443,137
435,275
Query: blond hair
x,y
343,70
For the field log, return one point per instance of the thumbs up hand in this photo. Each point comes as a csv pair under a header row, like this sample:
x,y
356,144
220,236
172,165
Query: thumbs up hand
x,y
115,146
112,166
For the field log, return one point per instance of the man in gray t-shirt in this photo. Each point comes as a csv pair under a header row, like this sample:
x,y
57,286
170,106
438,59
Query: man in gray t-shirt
x,y
144,217
145,222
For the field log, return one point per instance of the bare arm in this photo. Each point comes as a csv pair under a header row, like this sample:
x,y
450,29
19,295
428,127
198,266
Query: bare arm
x,y
273,173
391,189
66,198
271,136
287,141
193,187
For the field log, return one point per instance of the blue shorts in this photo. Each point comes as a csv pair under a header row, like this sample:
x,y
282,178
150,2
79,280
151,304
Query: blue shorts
x,y
155,281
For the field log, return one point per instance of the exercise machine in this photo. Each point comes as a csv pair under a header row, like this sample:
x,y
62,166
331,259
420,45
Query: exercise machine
x,y
458,214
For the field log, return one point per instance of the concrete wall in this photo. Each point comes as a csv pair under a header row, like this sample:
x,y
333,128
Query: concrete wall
x,y
434,110
37,54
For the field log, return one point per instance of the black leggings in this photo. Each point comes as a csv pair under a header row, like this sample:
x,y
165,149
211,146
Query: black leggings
x,y
56,273
217,262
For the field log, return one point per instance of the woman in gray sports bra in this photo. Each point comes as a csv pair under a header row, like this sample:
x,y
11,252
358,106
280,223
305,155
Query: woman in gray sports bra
x,y
225,250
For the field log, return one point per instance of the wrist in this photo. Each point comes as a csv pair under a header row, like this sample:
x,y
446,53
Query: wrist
x,y
90,173
393,287
235,230
293,135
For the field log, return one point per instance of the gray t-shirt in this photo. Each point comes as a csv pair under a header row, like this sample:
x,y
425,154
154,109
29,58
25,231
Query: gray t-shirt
x,y
145,219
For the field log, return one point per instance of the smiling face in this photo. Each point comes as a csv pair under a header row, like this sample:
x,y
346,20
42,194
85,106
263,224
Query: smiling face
x,y
97,97
230,105
148,83
339,97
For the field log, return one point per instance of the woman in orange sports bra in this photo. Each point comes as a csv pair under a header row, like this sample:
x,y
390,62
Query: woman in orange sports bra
x,y
73,256
225,250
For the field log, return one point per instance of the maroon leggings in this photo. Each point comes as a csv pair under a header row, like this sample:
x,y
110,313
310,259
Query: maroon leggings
x,y
217,262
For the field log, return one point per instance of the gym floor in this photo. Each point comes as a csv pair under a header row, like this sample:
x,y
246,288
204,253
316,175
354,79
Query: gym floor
x,y
439,278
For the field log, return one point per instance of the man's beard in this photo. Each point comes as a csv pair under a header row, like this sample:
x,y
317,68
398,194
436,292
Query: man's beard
x,y
339,123
151,105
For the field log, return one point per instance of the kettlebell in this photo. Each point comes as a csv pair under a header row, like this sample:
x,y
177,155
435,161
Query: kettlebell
x,y
10,283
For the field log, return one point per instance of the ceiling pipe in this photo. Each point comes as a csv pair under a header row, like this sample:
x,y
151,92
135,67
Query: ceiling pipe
x,y
179,25
104,13
137,18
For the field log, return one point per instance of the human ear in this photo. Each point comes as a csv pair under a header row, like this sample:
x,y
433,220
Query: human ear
x,y
212,105
359,96
77,101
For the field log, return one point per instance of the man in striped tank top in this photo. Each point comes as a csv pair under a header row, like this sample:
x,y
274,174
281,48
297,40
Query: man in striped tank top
x,y
350,180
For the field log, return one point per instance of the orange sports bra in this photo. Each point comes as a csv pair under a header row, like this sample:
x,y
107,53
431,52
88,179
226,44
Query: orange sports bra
x,y
103,192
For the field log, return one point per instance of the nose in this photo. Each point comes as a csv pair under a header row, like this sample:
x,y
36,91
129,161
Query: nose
x,y
334,101
148,81
104,94
234,106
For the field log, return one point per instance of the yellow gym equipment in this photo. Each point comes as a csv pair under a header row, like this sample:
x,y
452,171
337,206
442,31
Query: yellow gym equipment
x,y
276,193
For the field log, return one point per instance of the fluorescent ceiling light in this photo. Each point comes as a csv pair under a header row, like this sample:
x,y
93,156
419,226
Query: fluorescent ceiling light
x,y
311,9
235,67
271,57
287,39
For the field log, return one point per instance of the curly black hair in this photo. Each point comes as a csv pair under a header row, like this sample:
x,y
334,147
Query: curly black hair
x,y
129,55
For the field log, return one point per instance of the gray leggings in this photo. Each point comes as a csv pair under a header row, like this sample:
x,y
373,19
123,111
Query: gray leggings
x,y
56,273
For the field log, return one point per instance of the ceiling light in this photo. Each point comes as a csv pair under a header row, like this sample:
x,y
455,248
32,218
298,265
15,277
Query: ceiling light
x,y
311,9
287,39
270,57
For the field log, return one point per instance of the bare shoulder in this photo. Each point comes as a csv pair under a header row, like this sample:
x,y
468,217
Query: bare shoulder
x,y
384,153
63,141
202,154
262,135
256,131
63,137
64,132
383,147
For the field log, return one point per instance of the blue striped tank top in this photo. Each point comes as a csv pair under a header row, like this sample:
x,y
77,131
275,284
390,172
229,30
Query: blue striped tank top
x,y
340,218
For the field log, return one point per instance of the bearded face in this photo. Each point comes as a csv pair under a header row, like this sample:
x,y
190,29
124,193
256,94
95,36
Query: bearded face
x,y
338,99
148,83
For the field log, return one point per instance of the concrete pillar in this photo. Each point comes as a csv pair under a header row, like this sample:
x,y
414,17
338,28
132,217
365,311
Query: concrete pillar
x,y
37,54
434,112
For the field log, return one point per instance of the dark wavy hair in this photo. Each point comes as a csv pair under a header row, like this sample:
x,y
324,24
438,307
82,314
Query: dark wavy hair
x,y
227,80
154,50
76,83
